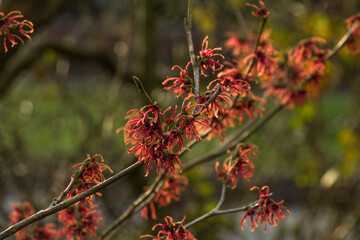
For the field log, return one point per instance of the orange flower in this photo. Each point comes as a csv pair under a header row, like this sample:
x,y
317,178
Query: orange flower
x,y
25,210
206,58
11,27
181,85
171,190
171,231
238,165
261,12
353,43
80,221
267,211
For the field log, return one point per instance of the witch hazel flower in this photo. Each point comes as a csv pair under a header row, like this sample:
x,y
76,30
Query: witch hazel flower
x,y
171,231
259,12
353,43
215,108
189,122
80,221
249,105
90,171
23,211
171,190
238,165
182,85
266,62
305,50
230,85
206,60
11,27
238,45
267,211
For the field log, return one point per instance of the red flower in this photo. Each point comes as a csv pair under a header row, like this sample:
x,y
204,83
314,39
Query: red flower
x,y
80,221
168,162
288,97
253,219
353,43
143,124
181,85
174,135
239,46
305,50
261,12
206,58
93,169
265,62
10,24
149,209
25,210
45,233
248,105
217,107
189,122
219,125
92,174
237,165
171,190
171,231
267,210
231,85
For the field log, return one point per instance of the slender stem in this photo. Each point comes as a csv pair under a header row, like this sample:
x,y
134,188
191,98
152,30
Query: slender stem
x,y
75,177
51,210
253,60
341,43
195,65
110,230
257,42
142,90
216,212
222,197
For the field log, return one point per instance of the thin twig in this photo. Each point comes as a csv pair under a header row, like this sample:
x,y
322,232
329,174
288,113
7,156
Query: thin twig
x,y
216,212
111,229
257,42
75,177
341,43
195,65
142,90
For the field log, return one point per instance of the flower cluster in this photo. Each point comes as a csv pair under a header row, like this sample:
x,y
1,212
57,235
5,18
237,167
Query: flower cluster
x,y
353,43
267,211
171,231
80,221
11,27
22,211
89,172
237,165
171,190
305,69
157,138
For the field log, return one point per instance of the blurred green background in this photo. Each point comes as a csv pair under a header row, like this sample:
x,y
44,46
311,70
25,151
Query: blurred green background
x,y
64,94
